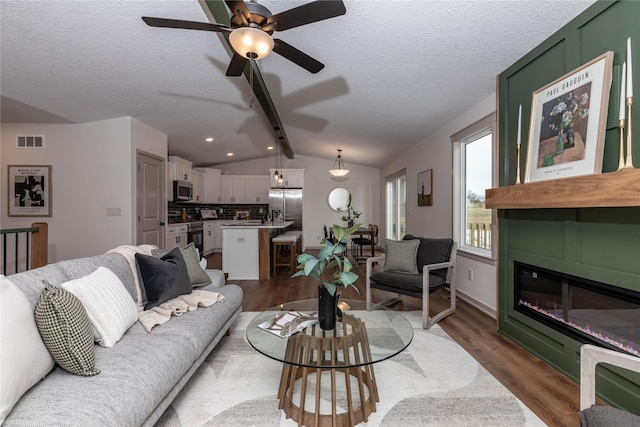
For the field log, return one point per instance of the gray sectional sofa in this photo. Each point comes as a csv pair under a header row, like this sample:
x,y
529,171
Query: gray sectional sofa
x,y
140,375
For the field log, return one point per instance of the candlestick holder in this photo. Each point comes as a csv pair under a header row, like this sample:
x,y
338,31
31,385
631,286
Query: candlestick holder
x,y
518,164
629,160
621,127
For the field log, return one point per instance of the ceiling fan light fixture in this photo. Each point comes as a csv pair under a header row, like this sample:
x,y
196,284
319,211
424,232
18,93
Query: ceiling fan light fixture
x,y
251,42
338,166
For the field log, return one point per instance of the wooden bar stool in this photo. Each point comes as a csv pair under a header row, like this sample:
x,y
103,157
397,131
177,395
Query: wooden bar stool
x,y
284,252
298,235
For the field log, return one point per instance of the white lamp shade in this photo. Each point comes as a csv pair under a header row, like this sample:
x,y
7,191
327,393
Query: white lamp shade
x,y
251,42
338,172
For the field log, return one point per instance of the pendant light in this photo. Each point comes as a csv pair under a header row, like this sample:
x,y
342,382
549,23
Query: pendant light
x,y
275,173
338,166
281,178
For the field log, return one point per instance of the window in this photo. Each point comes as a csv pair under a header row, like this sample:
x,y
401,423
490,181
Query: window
x,y
473,173
396,215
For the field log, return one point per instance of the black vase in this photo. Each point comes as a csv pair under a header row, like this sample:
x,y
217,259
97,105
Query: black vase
x,y
327,308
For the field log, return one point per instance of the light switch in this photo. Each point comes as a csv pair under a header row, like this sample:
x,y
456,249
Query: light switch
x,y
114,211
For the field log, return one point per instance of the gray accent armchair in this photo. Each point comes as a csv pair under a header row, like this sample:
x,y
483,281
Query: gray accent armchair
x,y
436,260
593,415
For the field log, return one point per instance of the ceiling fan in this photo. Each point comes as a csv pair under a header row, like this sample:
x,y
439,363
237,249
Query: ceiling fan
x,y
251,27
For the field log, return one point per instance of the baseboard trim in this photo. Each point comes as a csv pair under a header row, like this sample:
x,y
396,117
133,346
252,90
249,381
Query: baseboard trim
x,y
476,303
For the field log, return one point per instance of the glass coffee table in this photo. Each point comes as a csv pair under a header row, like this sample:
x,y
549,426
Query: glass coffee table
x,y
327,377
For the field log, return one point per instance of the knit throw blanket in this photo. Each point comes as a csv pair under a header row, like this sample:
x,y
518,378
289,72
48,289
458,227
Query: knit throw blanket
x,y
177,307
129,253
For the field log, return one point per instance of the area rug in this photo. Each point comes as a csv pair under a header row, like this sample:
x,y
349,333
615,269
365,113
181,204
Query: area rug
x,y
434,382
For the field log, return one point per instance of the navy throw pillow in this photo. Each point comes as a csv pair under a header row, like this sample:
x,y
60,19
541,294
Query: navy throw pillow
x,y
163,278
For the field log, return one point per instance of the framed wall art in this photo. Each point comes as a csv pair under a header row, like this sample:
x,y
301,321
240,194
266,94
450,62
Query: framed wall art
x,y
568,123
29,190
425,188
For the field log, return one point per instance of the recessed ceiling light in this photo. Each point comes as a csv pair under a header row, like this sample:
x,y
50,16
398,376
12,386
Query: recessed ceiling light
x,y
270,147
209,139
229,154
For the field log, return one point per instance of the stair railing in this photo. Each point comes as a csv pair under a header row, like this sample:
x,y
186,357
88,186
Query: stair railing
x,y
25,248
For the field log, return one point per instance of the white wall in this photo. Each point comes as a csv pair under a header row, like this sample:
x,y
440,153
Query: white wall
x,y
436,152
91,171
363,182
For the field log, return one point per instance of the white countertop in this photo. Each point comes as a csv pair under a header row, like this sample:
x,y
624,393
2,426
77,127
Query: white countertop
x,y
245,225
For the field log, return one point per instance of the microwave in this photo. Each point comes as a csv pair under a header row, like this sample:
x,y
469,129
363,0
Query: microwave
x,y
182,190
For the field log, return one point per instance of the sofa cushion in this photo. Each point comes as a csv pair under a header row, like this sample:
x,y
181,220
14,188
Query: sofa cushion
x,y
606,416
24,360
197,275
432,251
66,330
109,306
163,278
401,256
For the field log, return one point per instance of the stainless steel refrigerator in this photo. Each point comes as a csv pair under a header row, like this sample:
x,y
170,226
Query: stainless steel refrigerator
x,y
287,201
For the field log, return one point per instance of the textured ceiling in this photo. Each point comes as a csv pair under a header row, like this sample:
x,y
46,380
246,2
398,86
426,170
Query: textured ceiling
x,y
395,71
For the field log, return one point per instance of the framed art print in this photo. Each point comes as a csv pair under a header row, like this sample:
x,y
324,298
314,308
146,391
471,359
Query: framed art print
x,y
568,123
29,190
425,188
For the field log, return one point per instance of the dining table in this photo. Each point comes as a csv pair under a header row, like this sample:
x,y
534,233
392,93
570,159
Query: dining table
x,y
370,233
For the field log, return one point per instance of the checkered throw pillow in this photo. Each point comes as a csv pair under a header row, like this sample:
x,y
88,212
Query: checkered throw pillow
x,y
66,330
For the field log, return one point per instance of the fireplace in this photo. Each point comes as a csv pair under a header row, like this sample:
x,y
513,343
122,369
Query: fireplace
x,y
588,311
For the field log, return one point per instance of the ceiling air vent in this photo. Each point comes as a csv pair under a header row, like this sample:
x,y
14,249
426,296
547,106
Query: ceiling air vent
x,y
31,141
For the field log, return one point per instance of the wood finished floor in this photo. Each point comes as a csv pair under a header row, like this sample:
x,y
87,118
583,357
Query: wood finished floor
x,y
551,395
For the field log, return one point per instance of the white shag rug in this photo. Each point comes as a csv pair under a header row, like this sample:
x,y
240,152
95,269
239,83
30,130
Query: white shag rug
x,y
434,382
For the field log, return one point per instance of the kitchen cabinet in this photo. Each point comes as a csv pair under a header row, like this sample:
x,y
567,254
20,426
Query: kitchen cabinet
x,y
180,168
257,189
208,241
217,235
176,236
232,189
197,178
211,178
293,178
244,189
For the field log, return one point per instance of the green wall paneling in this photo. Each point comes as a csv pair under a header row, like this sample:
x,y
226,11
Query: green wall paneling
x,y
601,244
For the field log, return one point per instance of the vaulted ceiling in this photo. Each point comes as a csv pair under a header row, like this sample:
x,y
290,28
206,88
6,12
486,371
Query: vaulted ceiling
x,y
395,71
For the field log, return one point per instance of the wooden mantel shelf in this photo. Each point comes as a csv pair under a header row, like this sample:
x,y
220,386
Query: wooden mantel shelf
x,y
612,189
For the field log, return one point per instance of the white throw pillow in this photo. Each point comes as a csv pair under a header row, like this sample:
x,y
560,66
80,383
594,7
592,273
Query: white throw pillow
x,y
24,359
110,307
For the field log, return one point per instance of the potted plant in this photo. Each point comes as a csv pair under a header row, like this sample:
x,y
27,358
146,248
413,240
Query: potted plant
x,y
333,270
351,216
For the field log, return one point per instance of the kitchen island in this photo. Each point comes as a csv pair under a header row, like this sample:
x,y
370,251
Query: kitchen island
x,y
246,249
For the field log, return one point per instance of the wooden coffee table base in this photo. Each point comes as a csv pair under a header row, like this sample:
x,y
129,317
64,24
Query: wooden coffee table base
x,y
327,350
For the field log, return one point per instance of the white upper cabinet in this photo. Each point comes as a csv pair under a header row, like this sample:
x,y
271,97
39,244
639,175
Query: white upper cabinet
x,y
180,168
232,189
292,178
211,192
257,189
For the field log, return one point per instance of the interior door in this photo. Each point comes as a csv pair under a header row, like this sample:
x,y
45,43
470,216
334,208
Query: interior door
x,y
150,200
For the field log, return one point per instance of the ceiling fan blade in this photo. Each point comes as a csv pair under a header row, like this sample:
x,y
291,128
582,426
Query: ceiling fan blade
x,y
297,57
235,6
187,25
308,13
236,67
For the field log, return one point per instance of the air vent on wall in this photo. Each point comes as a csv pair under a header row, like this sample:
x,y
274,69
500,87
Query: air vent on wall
x,y
30,141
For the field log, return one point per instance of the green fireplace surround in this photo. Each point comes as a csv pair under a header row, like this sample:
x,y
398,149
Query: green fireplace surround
x,y
597,243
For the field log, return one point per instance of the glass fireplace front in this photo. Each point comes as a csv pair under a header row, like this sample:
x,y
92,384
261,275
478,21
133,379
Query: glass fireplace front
x,y
586,310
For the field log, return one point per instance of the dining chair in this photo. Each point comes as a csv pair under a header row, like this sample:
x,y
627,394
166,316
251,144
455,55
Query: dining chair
x,y
358,242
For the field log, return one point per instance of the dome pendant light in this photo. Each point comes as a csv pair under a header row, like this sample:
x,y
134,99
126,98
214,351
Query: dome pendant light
x,y
338,166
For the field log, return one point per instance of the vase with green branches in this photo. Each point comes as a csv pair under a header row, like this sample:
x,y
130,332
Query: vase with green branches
x,y
351,216
332,269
